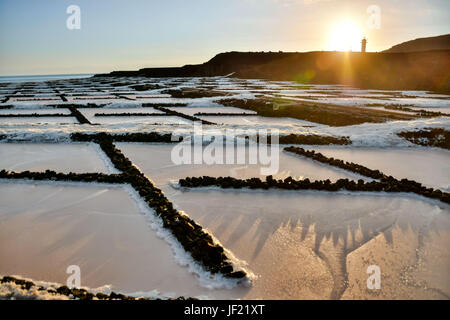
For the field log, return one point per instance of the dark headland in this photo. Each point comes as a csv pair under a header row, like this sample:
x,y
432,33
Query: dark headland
x,y
421,64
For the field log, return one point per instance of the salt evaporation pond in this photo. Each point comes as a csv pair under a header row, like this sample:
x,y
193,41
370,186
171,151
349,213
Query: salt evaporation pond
x,y
77,157
255,121
297,252
32,111
140,119
213,109
89,113
444,110
98,228
155,160
297,242
34,120
35,100
430,166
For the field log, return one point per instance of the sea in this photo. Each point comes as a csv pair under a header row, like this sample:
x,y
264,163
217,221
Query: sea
x,y
40,78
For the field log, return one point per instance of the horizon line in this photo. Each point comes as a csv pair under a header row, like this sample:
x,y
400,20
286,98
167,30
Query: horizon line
x,y
179,66
47,75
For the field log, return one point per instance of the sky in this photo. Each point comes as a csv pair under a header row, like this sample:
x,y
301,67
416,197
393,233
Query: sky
x,y
133,34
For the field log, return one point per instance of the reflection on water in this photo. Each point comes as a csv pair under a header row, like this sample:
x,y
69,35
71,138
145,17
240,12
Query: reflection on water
x,y
255,225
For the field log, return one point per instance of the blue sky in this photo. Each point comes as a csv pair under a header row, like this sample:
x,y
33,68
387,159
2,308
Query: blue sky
x,y
126,35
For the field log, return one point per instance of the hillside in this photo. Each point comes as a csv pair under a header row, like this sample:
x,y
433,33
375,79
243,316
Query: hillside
x,y
423,44
423,70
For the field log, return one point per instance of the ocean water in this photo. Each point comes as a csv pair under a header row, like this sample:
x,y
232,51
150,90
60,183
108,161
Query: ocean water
x,y
40,78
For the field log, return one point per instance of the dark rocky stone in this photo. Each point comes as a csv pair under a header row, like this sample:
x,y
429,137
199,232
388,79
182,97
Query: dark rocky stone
x,y
387,184
431,137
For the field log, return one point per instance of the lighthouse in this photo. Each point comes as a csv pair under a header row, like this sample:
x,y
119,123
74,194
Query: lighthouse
x,y
363,45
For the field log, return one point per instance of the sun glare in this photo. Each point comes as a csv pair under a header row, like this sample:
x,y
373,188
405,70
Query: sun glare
x,y
346,36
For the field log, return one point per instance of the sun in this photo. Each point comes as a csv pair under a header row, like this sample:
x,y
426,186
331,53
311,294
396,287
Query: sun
x,y
345,36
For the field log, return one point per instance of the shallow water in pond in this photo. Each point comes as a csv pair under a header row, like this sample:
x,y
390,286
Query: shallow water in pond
x,y
429,166
156,161
35,120
78,158
140,119
96,227
193,110
298,242
255,120
31,111
89,113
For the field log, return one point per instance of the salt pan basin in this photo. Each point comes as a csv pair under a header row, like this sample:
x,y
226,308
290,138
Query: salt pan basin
x,y
37,111
78,158
37,120
429,166
310,244
156,161
140,119
89,113
98,228
255,120
317,245
193,110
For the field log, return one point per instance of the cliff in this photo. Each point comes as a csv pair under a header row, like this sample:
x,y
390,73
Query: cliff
x,y
423,44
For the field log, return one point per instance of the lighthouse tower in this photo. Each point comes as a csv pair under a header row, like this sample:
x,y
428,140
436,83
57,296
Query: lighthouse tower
x,y
363,45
